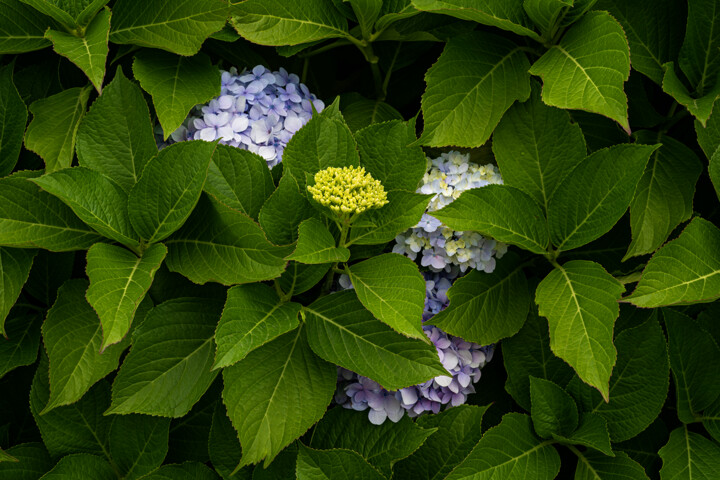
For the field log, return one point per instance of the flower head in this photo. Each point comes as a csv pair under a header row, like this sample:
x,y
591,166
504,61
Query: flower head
x,y
347,190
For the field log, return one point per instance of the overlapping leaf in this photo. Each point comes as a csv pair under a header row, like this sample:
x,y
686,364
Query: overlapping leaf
x,y
316,245
22,29
689,455
13,117
15,267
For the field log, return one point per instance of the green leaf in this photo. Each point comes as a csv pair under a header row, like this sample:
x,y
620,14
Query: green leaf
x,y
366,11
22,29
596,194
694,359
52,131
72,335
343,332
528,354
95,199
701,106
138,444
289,388
392,288
275,22
714,171
333,464
57,10
579,9
191,435
579,299
15,267
664,196
13,117
115,138
222,245
253,316
385,154
536,147
168,367
496,13
316,245
546,14
176,83
594,465
283,211
485,210
223,444
394,11
689,455
510,451
86,10
6,457
698,56
239,179
708,134
32,461
179,27
323,142
588,68
360,112
381,445
182,471
81,465
685,270
89,51
31,218
169,189
458,432
21,346
119,281
553,409
80,427
298,278
592,432
403,211
642,21
475,80
638,388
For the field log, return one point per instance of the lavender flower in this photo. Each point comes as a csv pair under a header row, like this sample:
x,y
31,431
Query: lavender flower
x,y
256,110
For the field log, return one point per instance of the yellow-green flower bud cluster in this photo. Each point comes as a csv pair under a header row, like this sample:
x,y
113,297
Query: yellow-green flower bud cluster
x,y
347,190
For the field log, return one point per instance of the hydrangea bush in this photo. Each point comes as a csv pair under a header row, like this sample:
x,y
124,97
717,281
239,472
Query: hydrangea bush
x,y
372,239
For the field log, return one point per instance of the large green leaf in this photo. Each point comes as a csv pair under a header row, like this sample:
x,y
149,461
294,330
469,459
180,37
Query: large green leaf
x,y
30,218
72,335
176,84
689,456
664,195
64,11
592,432
579,300
714,171
81,465
119,281
89,51
546,14
475,80
169,188
283,211
487,307
553,409
32,462
366,12
222,245
223,445
138,444
393,289
596,466
15,267
685,270
52,131
385,154
95,199
403,211
275,22
115,138
701,106
587,69
341,331
22,29
638,388
596,194
381,445
289,388
168,367
253,315
360,112
536,147
298,277
510,451
13,117
180,27
239,179
316,245
654,30
21,345
333,464
695,360
485,210
699,60
708,134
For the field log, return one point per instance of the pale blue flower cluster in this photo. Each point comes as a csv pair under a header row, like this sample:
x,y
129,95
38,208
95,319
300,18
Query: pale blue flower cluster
x,y
256,110
463,361
439,246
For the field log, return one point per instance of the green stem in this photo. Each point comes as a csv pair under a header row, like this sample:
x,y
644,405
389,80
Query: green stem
x,y
630,278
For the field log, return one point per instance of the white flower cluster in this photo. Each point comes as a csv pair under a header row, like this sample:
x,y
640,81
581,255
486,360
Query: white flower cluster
x,y
441,247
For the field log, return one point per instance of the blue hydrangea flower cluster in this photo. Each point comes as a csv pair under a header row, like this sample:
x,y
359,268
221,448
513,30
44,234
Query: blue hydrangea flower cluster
x,y
463,361
440,247
257,110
